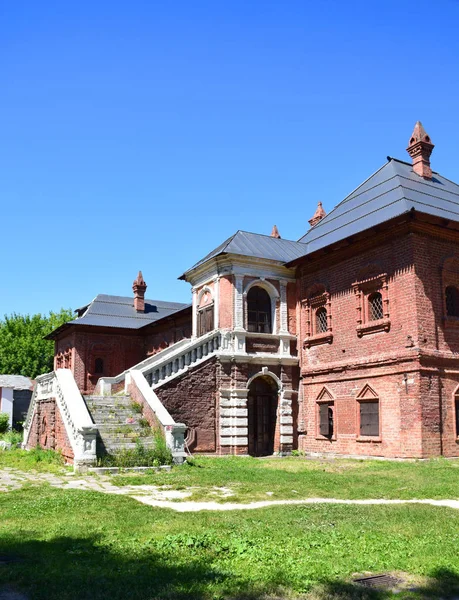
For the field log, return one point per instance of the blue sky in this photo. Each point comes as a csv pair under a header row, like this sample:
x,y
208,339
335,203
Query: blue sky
x,y
140,135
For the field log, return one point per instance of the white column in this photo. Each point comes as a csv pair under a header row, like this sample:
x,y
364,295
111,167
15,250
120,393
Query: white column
x,y
238,302
283,307
216,302
194,313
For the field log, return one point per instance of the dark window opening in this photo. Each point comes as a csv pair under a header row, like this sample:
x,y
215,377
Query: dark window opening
x,y
369,418
375,303
452,301
456,409
205,320
326,420
98,366
259,310
321,320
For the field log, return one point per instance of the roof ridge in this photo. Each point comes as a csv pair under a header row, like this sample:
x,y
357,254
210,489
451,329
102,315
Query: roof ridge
x,y
267,236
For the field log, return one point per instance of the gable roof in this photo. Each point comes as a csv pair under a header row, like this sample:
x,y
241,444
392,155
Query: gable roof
x,y
255,245
119,311
390,192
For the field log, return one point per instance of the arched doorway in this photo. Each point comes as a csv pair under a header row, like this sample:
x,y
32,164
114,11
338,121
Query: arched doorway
x,y
262,415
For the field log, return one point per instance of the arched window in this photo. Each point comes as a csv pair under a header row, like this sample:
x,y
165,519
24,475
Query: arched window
x,y
321,320
452,301
259,310
375,305
98,366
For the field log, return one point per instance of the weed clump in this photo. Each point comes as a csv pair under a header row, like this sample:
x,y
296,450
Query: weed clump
x,y
140,456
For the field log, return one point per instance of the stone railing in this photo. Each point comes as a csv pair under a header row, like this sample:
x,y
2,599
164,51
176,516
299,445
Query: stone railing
x,y
180,359
81,431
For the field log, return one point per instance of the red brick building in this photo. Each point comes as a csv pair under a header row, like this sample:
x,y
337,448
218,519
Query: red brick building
x,y
346,341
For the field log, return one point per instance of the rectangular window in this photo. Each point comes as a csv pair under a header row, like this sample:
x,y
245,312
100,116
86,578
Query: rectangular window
x,y
456,407
325,420
369,418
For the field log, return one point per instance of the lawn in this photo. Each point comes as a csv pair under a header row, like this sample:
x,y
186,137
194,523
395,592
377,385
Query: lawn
x,y
42,461
73,544
294,478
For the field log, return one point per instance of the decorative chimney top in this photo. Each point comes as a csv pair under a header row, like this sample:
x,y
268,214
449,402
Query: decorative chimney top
x,y
139,288
318,215
275,232
420,148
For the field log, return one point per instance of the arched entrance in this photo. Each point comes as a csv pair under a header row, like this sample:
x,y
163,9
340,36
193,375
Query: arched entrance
x,y
262,414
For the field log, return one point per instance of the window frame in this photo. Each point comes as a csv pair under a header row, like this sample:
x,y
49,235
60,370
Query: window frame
x,y
361,437
270,322
456,291
330,405
363,290
311,305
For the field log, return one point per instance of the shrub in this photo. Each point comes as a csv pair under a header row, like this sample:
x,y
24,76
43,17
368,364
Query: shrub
x,y
4,422
12,437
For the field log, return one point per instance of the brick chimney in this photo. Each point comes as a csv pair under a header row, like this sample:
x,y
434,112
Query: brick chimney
x,y
139,287
318,215
420,148
275,232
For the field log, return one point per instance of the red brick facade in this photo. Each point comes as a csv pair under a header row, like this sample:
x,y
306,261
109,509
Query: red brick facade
x,y
406,361
356,335
97,352
48,430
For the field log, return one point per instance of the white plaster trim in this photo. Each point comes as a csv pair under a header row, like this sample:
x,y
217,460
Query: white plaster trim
x,y
266,373
194,318
238,302
216,302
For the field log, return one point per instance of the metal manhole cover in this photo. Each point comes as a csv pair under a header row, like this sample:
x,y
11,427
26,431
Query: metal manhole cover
x,y
379,581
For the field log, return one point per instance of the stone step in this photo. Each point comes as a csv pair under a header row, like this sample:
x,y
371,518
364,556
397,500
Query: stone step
x,y
100,415
113,447
105,426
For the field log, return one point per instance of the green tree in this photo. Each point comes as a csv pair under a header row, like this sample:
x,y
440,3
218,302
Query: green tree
x,y
23,351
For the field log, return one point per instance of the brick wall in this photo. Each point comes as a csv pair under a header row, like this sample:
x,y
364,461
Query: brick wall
x,y
164,334
48,430
226,302
191,399
405,366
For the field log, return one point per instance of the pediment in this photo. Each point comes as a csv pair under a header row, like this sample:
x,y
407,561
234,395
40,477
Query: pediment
x,y
325,394
367,393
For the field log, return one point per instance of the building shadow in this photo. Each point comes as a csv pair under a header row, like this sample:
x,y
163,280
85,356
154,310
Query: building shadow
x,y
67,568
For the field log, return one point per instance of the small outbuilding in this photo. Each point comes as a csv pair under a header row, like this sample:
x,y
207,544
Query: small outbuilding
x,y
15,394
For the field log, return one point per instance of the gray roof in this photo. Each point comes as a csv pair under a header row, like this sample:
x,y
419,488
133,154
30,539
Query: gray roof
x,y
17,382
119,311
390,192
255,245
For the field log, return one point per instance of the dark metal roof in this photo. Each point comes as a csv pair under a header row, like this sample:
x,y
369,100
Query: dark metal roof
x,y
255,245
119,311
390,192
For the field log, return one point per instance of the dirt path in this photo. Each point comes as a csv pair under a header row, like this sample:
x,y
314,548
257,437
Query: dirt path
x,y
162,497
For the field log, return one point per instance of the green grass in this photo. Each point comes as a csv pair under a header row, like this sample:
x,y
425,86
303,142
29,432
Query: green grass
x,y
42,461
293,478
74,544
